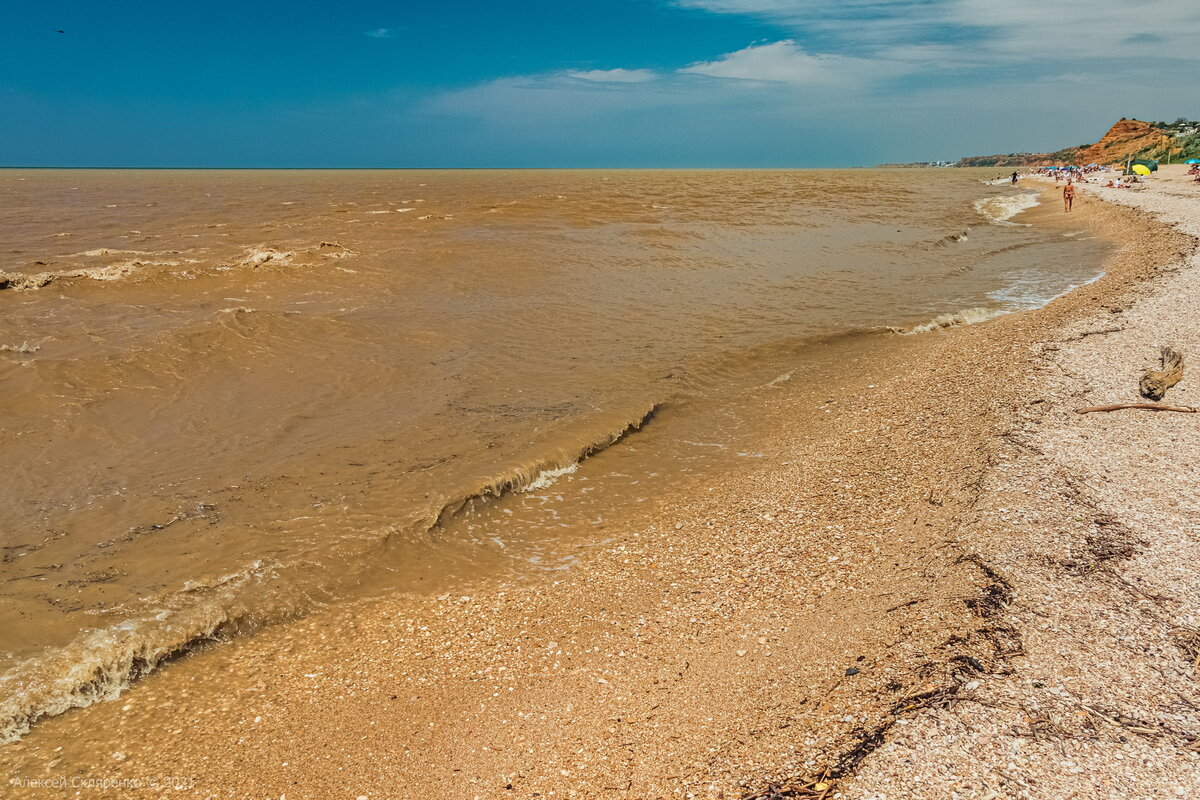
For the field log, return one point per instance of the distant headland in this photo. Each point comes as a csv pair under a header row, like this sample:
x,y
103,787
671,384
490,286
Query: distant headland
x,y
1128,138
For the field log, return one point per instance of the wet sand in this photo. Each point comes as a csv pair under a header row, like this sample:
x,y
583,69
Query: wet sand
x,y
765,627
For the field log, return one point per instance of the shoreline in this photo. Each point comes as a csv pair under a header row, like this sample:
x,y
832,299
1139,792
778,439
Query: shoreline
x,y
92,605
1090,520
734,620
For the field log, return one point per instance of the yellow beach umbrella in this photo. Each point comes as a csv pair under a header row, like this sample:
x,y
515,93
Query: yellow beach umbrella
x,y
1141,169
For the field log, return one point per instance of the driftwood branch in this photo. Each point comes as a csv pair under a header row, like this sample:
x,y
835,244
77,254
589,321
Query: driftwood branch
x,y
1147,406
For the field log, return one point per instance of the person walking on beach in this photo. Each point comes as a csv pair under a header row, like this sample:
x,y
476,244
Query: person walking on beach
x,y
1068,196
1014,177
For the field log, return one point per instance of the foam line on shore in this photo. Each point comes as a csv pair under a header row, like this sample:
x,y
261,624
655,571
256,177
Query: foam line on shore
x,y
1000,209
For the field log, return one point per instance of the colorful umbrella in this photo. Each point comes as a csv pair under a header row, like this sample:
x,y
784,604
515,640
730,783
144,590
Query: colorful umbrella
x,y
1192,161
1141,169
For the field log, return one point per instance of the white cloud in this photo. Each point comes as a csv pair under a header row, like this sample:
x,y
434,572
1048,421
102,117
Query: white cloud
x,y
861,51
998,32
930,57
614,75
785,62
381,33
1083,29
946,76
753,80
860,23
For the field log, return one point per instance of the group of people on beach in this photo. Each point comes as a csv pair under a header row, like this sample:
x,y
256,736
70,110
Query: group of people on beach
x,y
1070,176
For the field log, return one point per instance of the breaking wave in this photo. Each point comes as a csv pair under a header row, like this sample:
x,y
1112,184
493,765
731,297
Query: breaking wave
x,y
542,472
257,256
549,477
1020,295
252,258
99,664
969,316
1000,209
23,282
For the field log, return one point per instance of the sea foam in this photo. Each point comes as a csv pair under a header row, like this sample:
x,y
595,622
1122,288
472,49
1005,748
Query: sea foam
x,y
1000,209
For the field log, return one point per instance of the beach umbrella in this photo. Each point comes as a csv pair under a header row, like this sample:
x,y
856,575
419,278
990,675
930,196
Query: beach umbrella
x,y
1192,161
1141,169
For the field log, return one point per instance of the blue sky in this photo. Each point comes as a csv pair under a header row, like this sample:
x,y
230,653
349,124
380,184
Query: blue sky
x,y
577,83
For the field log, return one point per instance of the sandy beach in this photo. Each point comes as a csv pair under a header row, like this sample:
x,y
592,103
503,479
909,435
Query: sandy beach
x,y
640,400
938,581
1091,521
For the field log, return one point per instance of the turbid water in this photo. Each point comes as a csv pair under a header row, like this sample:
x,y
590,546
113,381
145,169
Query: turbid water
x,y
231,396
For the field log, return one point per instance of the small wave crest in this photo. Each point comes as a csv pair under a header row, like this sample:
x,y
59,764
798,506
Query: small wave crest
x,y
99,664
771,384
23,282
1035,292
257,256
542,473
24,348
110,251
334,250
252,258
548,477
1000,209
968,316
952,238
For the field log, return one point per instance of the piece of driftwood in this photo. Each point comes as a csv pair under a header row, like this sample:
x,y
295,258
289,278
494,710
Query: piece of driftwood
x,y
1147,406
1154,384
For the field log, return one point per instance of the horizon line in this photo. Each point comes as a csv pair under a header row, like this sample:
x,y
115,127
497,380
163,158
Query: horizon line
x,y
329,168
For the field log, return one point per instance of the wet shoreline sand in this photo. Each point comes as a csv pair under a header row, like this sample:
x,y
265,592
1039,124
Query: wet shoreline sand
x,y
767,627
